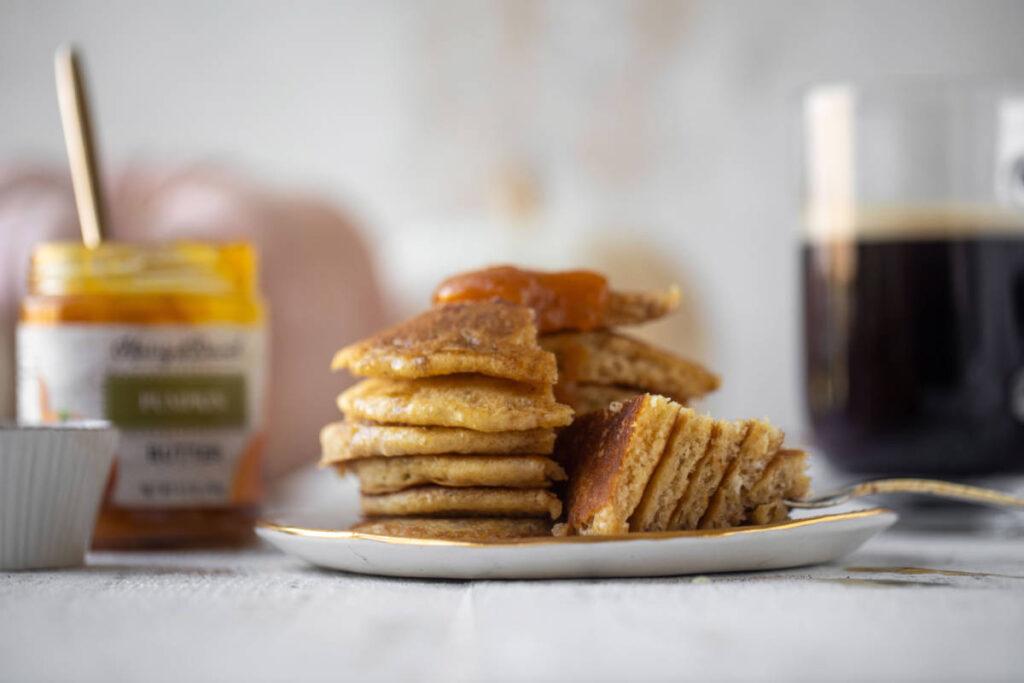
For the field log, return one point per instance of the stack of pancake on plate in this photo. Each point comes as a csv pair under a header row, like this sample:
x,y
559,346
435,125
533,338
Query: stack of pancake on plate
x,y
451,433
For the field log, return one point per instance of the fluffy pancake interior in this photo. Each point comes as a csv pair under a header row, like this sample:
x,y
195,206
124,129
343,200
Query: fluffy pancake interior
x,y
473,402
686,445
722,450
783,478
728,505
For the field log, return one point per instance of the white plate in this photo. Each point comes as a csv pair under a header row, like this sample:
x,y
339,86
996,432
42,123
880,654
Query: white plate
x,y
795,543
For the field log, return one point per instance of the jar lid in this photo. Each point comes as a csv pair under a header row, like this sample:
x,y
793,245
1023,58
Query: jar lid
x,y
201,268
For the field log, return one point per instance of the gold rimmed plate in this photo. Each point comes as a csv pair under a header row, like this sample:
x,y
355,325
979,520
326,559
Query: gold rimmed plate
x,y
807,540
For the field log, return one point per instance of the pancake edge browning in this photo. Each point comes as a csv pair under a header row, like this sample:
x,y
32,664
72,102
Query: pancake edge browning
x,y
427,501
609,457
387,475
477,402
347,440
492,338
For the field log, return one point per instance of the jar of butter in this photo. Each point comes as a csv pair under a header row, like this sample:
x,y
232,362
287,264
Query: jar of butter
x,y
167,341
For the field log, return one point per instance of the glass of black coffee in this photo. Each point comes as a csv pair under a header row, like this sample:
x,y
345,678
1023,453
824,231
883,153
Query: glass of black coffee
x,y
913,277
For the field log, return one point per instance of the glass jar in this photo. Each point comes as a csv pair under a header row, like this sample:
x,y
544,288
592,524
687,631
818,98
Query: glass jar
x,y
166,341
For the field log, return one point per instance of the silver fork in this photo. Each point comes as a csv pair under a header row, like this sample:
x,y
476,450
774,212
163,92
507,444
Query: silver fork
x,y
928,487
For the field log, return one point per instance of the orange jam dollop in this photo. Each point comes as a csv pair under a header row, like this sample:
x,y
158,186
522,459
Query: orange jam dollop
x,y
562,300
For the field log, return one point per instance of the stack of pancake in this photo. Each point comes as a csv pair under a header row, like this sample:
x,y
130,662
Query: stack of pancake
x,y
650,464
578,317
451,432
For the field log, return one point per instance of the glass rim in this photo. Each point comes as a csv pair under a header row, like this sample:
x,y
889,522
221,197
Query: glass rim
x,y
901,83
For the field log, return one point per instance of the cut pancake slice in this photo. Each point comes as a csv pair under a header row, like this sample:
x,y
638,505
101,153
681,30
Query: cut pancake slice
x,y
633,308
729,504
686,445
475,402
343,441
723,447
769,513
476,529
386,475
610,456
465,502
610,359
491,338
784,478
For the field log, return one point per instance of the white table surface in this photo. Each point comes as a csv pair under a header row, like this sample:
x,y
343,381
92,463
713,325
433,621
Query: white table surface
x,y
258,615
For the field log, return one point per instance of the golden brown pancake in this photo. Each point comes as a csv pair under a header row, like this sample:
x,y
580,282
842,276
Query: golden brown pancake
x,y
475,402
611,359
386,475
476,529
343,441
633,308
609,457
686,445
729,504
468,502
722,449
491,338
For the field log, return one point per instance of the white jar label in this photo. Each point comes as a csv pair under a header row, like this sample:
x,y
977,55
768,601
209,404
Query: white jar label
x,y
188,400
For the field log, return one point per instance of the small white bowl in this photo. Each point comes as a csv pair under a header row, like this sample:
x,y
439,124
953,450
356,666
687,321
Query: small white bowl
x,y
51,480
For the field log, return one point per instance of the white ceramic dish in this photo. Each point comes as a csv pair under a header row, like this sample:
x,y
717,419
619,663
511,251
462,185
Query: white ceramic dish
x,y
51,482
803,541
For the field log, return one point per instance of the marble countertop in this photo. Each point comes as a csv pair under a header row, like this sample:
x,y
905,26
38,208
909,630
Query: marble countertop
x,y
257,615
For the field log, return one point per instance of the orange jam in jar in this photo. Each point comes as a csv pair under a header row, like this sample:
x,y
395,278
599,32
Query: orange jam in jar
x,y
166,341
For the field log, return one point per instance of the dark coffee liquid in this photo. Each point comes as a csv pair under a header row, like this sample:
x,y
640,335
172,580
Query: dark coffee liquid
x,y
915,354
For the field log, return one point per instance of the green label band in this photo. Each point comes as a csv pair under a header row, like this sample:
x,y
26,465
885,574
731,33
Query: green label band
x,y
175,401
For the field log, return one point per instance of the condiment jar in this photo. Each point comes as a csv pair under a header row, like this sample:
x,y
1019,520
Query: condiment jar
x,y
167,342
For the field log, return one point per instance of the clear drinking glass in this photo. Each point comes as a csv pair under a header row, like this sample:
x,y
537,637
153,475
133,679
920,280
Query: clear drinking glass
x,y
913,276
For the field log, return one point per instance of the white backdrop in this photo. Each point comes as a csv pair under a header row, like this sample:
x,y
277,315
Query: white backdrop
x,y
653,139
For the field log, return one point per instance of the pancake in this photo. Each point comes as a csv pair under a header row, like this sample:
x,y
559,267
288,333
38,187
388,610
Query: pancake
x,y
342,441
610,359
386,475
610,456
466,502
562,300
475,402
633,308
730,502
479,530
784,478
491,338
685,447
588,398
723,447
